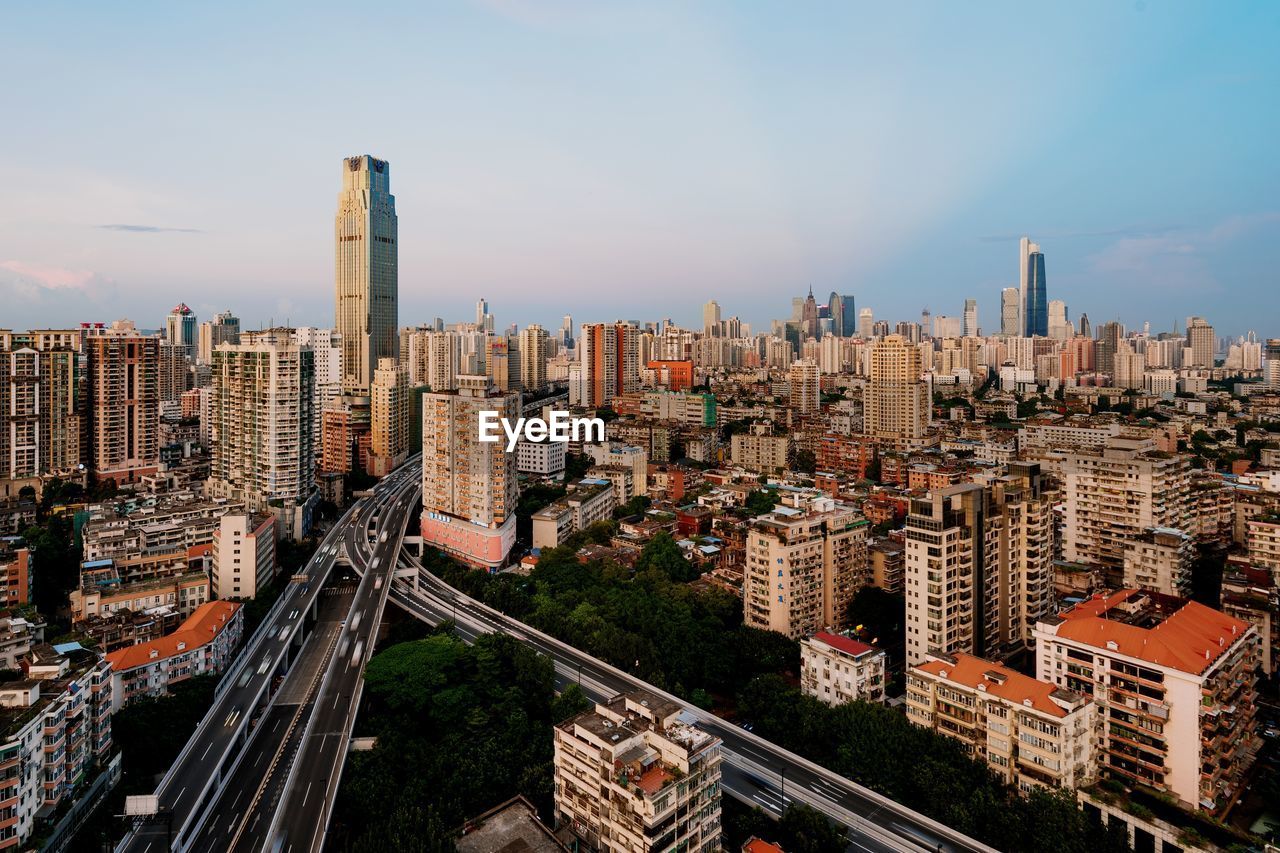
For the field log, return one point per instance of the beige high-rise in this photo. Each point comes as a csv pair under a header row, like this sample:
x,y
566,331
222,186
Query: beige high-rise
x,y
533,358
366,270
897,399
124,401
389,416
40,407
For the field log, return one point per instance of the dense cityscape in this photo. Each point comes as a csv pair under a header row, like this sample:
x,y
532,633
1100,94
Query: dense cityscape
x,y
966,581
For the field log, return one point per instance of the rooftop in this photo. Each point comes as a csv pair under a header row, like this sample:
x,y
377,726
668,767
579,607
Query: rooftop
x,y
999,680
201,627
1189,639
856,648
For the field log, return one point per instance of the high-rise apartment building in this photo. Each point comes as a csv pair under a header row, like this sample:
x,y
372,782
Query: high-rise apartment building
x,y
388,417
173,374
326,358
897,403
802,382
1110,336
469,487
1030,733
635,775
979,566
366,270
41,407
1112,494
805,561
711,318
1011,312
610,363
180,329
1175,682
224,328
1059,326
1033,293
263,406
534,346
1271,374
1201,343
1160,560
244,555
123,401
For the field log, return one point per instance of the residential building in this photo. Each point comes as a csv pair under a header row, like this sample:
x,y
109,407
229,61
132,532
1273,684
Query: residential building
x,y
123,402
244,555
388,418
203,645
55,724
836,669
760,450
41,408
1174,681
180,329
589,501
1200,342
366,270
1030,733
108,587
534,352
610,364
15,572
469,487
802,384
979,566
897,403
672,374
1011,312
805,561
263,406
1160,560
635,775
613,453
1114,493
224,328
544,458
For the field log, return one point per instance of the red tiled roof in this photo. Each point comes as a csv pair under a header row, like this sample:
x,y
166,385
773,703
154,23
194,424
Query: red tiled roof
x,y
1189,640
201,627
1013,686
844,644
759,845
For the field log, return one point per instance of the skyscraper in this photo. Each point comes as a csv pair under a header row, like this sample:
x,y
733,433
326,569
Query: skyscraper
x,y
224,328
1059,327
835,310
848,321
41,407
180,329
711,318
469,487
367,270
1110,335
1034,294
1271,376
866,324
809,316
1010,313
610,363
802,380
1200,341
969,328
533,358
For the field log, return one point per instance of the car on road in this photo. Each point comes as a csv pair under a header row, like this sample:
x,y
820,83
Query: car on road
x,y
359,650
246,678
355,622
232,717
265,665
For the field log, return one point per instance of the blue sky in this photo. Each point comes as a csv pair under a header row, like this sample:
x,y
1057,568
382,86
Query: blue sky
x,y
633,160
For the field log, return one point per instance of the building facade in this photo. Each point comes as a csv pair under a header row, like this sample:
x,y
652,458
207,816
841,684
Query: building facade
x,y
835,669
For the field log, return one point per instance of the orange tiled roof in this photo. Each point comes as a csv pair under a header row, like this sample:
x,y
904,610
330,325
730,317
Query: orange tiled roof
x,y
1189,640
201,627
972,671
652,780
759,845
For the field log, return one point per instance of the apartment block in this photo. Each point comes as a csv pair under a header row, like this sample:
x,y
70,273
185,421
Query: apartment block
x,y
590,500
760,450
1262,542
15,572
202,645
610,364
635,775
836,669
612,453
469,487
41,407
124,401
263,405
244,555
55,723
1160,560
979,566
388,418
1114,493
544,458
805,560
1174,681
1029,732
109,586
897,403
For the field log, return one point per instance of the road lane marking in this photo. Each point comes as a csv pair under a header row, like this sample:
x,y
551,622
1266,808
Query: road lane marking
x,y
206,750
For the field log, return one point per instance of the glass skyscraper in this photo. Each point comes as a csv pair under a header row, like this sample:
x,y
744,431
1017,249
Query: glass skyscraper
x,y
1034,292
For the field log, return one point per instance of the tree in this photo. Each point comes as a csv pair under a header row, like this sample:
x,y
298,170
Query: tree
x,y
662,554
761,501
806,830
805,461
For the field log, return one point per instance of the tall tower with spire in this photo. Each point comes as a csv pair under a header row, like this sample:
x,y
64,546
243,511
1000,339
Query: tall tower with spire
x,y
809,315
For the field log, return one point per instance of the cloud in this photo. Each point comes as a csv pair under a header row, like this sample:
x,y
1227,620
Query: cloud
x,y
47,277
149,229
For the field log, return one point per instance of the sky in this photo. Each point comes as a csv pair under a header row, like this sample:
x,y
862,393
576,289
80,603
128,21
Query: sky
x,y
633,160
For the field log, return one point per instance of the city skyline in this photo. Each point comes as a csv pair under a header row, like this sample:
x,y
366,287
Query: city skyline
x,y
545,195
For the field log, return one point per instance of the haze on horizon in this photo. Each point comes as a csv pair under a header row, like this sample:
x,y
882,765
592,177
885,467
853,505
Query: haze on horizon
x,y
637,160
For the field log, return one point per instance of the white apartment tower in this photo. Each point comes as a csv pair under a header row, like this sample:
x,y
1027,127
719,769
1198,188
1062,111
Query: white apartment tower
x,y
979,566
802,380
263,410
366,270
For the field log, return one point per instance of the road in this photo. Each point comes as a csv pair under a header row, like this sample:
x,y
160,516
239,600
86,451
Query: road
x,y
301,818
